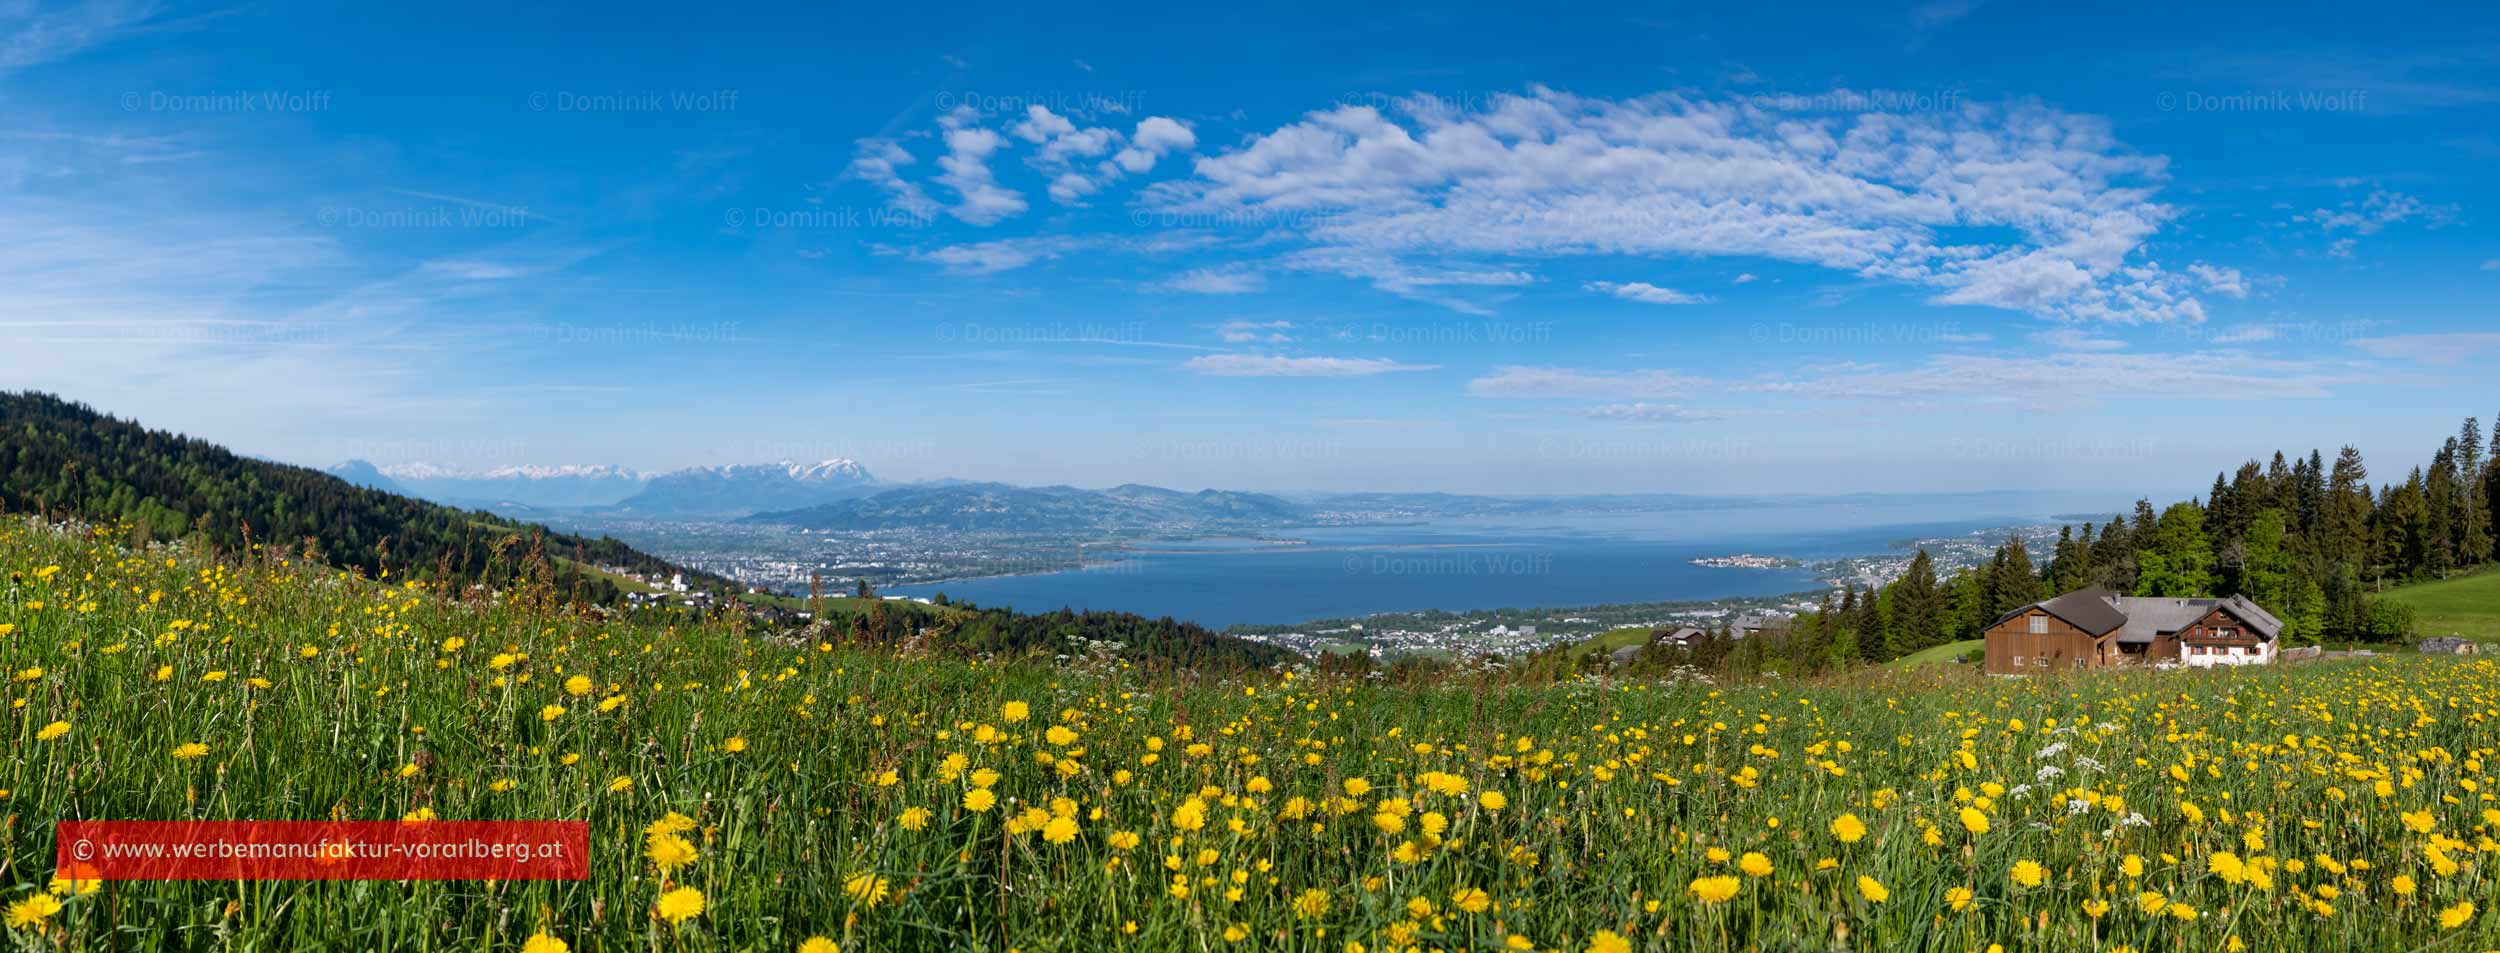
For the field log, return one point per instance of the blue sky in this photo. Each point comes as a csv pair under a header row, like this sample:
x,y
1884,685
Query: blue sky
x,y
1951,245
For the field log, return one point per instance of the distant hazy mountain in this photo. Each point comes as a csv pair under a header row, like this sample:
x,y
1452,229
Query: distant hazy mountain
x,y
1000,508
750,488
365,474
500,487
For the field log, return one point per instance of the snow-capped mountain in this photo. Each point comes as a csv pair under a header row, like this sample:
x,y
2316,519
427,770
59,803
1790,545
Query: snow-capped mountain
x,y
528,486
741,489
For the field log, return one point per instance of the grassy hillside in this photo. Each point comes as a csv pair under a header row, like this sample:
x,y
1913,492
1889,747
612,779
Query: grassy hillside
x,y
62,459
1937,654
747,794
2466,605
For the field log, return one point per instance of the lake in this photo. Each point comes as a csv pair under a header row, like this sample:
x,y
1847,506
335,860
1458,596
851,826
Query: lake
x,y
1545,561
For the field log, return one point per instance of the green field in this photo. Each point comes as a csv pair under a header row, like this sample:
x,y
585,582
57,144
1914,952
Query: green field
x,y
2466,605
1937,655
1610,641
745,793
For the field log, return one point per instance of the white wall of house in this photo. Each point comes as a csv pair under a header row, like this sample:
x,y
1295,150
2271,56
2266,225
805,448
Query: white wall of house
x,y
2209,656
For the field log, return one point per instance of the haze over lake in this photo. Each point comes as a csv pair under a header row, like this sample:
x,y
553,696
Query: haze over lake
x,y
1540,561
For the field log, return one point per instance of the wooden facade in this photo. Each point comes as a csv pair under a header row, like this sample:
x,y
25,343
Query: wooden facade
x,y
2037,641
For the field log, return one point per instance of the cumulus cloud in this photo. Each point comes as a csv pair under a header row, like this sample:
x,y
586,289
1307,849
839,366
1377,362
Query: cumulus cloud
x,y
1645,292
1265,365
967,170
1156,137
1884,196
2219,280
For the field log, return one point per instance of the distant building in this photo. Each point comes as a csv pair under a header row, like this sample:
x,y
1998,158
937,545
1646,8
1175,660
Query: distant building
x,y
2095,628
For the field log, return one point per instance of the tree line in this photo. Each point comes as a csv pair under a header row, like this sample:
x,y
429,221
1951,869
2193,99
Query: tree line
x,y
2311,541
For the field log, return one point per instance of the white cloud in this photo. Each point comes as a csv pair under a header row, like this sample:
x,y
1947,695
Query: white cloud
x,y
1156,137
967,170
1746,278
880,163
1645,292
1516,381
2220,280
2491,265
2441,348
1883,196
2371,214
1005,254
1218,281
1262,365
1255,332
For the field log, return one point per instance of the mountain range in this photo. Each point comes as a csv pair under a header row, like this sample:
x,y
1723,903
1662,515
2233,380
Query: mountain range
x,y
724,491
1002,508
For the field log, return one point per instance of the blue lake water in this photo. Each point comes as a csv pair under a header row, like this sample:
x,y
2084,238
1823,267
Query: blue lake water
x,y
1549,561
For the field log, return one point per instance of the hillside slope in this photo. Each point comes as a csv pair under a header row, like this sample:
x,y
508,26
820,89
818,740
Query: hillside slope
x,y
67,459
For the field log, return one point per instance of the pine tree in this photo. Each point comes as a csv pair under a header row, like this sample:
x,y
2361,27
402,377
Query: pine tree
x,y
1869,625
2346,527
2473,531
1918,608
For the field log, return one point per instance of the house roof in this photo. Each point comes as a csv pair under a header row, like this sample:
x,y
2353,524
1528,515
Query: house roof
x,y
2140,619
2088,609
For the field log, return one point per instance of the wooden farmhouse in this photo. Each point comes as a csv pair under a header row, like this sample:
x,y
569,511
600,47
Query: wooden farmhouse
x,y
2095,628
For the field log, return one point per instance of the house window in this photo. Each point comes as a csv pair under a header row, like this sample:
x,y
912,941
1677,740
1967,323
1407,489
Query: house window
x,y
2039,625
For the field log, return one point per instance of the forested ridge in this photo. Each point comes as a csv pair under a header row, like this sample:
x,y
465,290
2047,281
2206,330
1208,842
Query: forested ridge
x,y
63,459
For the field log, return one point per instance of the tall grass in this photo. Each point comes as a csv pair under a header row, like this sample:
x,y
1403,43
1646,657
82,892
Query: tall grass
x,y
1266,812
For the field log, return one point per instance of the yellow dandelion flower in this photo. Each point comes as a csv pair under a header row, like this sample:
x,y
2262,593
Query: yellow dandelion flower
x,y
1713,889
867,890
1873,890
679,905
1848,828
